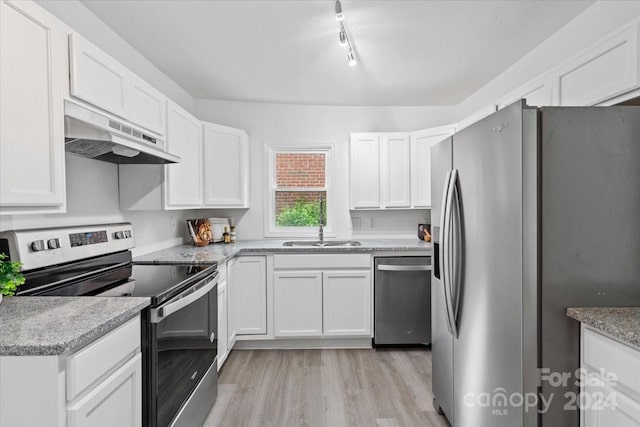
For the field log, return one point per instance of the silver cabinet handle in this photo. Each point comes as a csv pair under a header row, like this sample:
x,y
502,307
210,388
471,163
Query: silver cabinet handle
x,y
158,314
386,267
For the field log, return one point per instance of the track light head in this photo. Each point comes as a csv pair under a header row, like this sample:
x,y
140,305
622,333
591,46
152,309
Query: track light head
x,y
343,39
352,59
338,8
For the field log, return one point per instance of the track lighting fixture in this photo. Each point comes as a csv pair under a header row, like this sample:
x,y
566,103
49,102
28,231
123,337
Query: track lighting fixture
x,y
343,36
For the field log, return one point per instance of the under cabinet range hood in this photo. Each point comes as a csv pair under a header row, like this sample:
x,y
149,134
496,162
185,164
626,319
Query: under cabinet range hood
x,y
92,135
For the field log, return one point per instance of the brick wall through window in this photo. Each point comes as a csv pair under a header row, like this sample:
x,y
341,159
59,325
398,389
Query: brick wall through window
x,y
304,170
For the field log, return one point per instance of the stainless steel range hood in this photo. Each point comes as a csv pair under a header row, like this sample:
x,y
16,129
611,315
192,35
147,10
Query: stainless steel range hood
x,y
92,135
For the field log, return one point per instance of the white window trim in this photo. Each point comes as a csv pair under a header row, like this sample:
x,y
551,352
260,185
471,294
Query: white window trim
x,y
270,228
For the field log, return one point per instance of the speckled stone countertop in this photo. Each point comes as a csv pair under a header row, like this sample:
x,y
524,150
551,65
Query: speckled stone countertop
x,y
46,326
620,322
219,252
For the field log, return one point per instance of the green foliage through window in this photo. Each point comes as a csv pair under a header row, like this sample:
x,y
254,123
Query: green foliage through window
x,y
301,214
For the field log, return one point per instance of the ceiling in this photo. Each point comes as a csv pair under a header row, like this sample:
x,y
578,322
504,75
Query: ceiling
x,y
409,52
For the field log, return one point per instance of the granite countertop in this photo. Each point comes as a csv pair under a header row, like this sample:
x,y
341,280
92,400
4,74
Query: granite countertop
x,y
46,326
220,252
620,322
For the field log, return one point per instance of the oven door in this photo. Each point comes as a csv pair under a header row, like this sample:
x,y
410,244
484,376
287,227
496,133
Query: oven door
x,y
183,347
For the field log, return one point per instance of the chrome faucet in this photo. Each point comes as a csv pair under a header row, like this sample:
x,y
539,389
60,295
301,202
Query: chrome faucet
x,y
321,220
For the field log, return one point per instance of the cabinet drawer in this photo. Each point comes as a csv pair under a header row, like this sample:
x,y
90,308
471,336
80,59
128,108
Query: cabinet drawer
x,y
600,352
102,356
320,261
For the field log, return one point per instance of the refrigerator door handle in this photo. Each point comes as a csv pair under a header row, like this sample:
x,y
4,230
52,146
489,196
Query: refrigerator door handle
x,y
448,249
456,231
444,214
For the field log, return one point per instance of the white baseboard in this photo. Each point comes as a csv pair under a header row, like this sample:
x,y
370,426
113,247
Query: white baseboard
x,y
306,343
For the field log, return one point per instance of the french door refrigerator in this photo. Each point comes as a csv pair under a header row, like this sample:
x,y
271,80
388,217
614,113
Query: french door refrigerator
x,y
535,210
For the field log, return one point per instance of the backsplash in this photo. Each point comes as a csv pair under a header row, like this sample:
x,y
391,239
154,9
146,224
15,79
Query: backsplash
x,y
391,223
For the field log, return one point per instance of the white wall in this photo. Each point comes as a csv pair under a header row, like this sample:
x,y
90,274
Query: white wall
x,y
595,23
82,20
305,125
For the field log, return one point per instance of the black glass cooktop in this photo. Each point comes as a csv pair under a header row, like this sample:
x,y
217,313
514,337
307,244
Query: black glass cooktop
x,y
159,282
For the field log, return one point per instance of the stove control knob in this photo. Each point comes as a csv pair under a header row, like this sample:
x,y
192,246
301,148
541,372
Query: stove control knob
x,y
38,245
119,235
53,243
127,233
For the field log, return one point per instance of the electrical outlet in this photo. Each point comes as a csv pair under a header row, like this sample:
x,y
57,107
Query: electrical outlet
x,y
174,224
356,223
372,223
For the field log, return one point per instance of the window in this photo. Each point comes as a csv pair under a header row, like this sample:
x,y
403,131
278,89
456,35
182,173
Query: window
x,y
299,181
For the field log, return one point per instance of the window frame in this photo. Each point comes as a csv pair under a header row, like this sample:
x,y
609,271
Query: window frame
x,y
273,230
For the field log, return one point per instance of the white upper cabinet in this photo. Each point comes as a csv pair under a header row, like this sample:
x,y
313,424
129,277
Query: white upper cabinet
x,y
226,167
146,106
608,69
102,81
183,181
96,77
32,177
213,172
395,171
421,143
364,171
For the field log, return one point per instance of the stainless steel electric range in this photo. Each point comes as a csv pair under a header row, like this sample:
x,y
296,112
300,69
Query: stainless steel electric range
x,y
179,332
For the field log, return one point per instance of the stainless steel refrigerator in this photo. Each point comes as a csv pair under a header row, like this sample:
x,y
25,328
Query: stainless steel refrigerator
x,y
535,210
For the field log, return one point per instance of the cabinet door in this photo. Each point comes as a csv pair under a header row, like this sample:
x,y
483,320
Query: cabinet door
x,y
183,183
421,143
222,335
602,406
116,401
395,171
226,166
231,309
610,68
96,77
247,275
347,302
297,304
146,106
364,171
31,110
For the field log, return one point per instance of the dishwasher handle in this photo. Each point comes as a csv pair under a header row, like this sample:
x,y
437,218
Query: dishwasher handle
x,y
386,267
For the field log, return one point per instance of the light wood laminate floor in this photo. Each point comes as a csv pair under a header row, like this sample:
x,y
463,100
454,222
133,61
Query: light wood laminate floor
x,y
332,388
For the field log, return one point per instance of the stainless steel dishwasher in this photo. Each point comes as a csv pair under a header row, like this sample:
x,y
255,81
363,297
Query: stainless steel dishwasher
x,y
402,301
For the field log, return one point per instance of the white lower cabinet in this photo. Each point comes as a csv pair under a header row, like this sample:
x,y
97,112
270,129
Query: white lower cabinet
x,y
322,296
116,401
346,303
297,304
611,387
98,385
248,278
223,337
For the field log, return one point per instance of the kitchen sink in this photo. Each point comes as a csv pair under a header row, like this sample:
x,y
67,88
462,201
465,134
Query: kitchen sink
x,y
318,243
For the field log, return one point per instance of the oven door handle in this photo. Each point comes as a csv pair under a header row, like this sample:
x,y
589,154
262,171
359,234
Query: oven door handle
x,y
180,302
